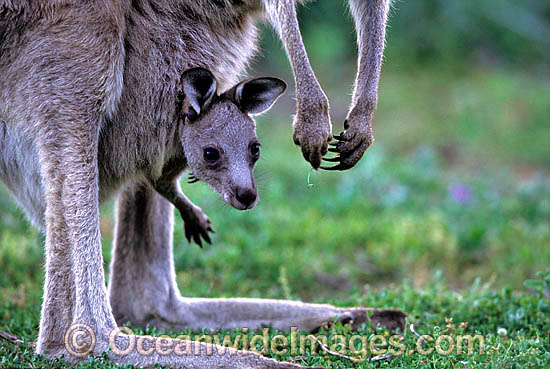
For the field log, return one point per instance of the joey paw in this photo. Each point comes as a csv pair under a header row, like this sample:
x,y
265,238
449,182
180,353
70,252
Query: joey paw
x,y
197,225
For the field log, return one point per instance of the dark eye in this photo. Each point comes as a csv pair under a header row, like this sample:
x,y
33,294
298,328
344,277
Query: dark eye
x,y
211,154
255,150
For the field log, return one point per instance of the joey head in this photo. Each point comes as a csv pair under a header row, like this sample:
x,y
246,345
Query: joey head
x,y
218,136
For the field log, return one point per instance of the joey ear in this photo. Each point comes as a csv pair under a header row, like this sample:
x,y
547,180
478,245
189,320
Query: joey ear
x,y
258,95
199,87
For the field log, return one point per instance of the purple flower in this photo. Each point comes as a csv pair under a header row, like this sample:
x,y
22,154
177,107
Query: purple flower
x,y
460,193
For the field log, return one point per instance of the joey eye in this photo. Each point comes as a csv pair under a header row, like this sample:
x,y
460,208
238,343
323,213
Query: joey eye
x,y
255,150
211,154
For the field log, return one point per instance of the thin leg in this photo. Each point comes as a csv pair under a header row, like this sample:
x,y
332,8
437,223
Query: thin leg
x,y
75,290
312,127
142,278
59,289
65,121
370,21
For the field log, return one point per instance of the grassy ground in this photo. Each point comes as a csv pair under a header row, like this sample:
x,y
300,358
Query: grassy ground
x,y
446,217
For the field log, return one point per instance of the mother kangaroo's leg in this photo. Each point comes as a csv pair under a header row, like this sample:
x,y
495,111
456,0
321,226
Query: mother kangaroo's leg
x,y
143,289
57,89
62,87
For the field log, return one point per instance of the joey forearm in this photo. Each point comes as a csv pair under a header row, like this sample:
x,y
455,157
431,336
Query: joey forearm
x,y
169,189
196,223
167,184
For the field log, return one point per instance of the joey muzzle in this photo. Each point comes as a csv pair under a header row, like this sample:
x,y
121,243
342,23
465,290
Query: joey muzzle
x,y
246,196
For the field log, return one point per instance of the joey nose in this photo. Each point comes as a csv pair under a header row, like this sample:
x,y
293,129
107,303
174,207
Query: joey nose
x,y
246,196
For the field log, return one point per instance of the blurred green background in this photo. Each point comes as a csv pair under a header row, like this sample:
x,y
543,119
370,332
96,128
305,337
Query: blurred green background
x,y
457,182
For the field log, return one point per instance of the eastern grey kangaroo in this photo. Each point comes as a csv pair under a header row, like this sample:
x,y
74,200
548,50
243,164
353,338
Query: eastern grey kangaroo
x,y
89,87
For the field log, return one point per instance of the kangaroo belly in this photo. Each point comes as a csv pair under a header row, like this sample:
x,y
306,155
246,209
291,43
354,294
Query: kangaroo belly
x,y
20,172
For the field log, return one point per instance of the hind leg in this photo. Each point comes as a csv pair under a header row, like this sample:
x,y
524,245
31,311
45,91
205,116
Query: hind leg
x,y
143,288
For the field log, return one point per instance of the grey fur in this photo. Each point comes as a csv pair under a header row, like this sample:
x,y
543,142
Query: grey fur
x,y
88,101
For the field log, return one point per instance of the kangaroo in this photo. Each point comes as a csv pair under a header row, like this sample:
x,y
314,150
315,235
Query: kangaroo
x,y
219,145
89,89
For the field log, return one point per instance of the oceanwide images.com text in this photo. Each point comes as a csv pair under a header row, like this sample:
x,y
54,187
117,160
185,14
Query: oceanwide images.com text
x,y
80,341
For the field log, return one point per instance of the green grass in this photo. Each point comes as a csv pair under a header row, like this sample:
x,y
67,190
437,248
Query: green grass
x,y
446,217
515,328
